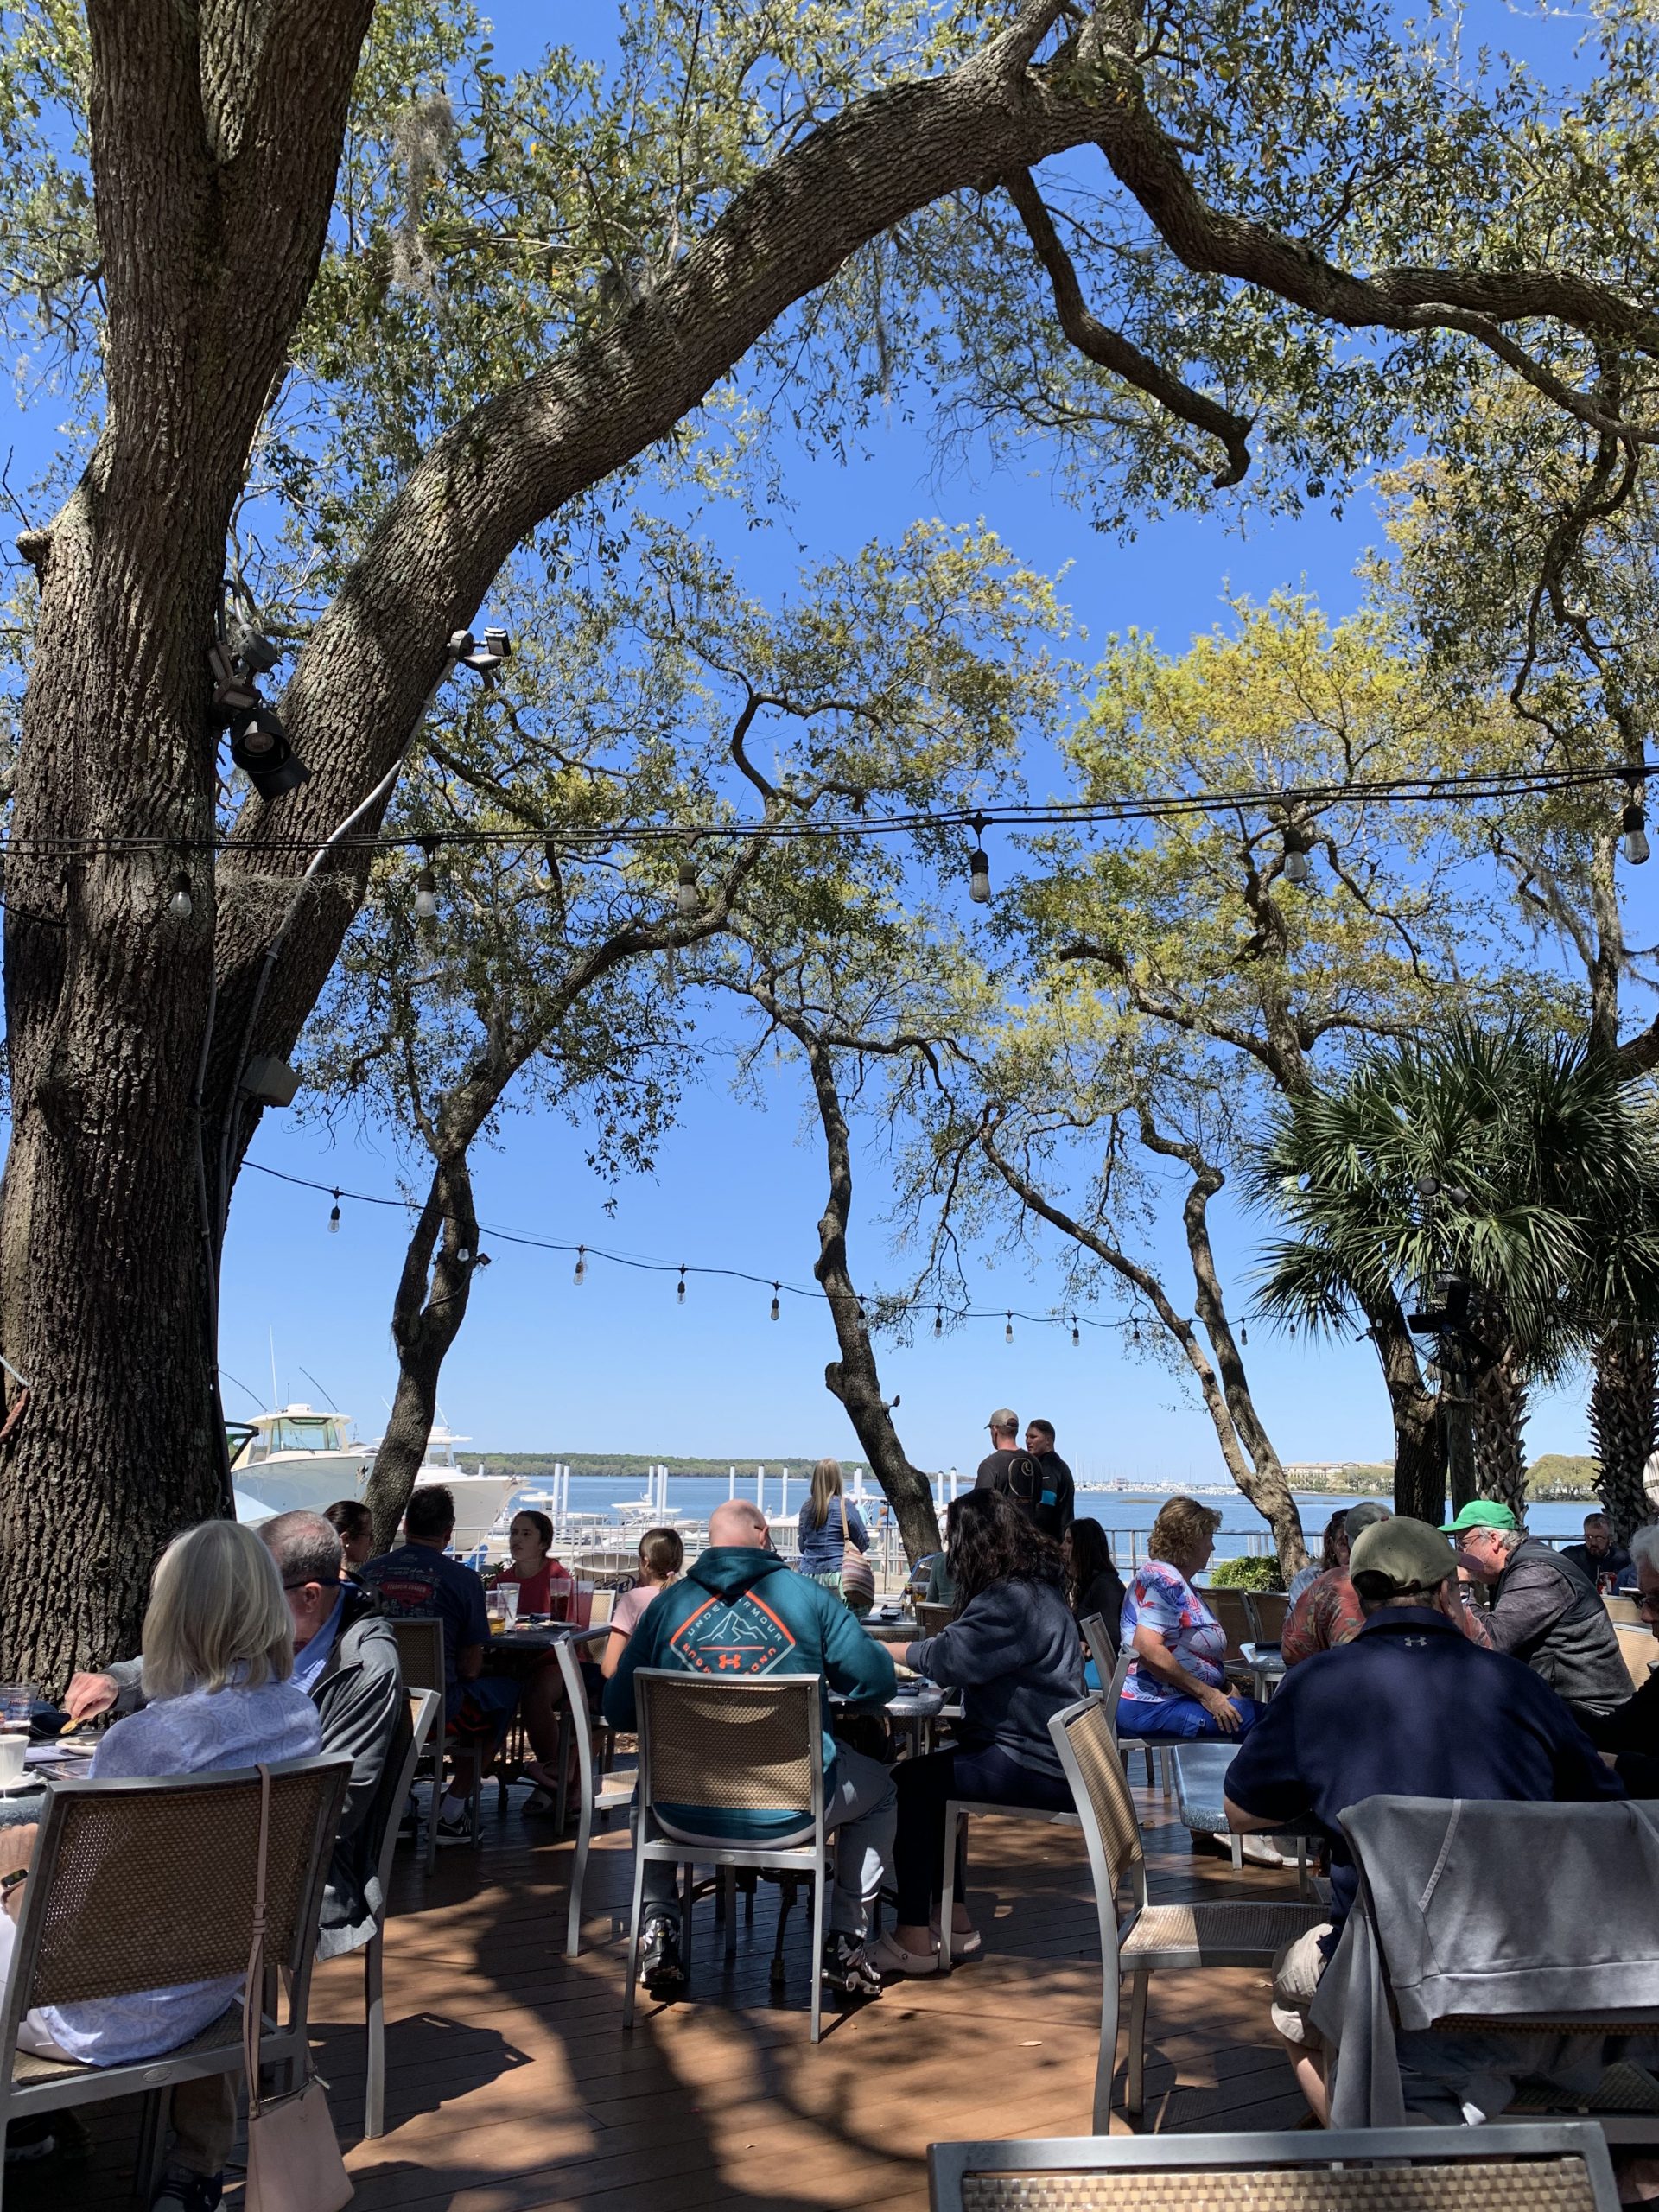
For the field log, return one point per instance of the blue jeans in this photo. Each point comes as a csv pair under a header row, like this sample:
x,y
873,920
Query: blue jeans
x,y
1180,1716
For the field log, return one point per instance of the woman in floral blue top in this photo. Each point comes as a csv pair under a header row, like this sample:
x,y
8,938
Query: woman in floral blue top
x,y
1177,1685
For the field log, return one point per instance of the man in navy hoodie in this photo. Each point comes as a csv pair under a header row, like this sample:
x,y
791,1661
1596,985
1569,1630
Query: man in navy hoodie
x,y
740,1612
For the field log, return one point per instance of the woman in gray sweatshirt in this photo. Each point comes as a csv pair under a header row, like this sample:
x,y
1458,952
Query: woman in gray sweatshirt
x,y
1013,1652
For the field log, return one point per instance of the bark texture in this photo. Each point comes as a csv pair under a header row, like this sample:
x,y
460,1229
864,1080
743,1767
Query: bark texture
x,y
1623,1428
1498,1401
215,135
853,1378
426,1317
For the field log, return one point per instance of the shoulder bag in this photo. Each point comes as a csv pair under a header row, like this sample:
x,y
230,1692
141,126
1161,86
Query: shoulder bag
x,y
857,1575
293,2161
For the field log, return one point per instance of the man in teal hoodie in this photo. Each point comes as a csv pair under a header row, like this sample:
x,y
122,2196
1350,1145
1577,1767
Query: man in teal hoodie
x,y
740,1612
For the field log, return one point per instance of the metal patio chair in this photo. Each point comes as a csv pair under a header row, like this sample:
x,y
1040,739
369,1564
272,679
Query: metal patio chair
x,y
424,1707
708,1746
1563,2167
1163,1745
1149,1938
597,1793
143,1884
420,1656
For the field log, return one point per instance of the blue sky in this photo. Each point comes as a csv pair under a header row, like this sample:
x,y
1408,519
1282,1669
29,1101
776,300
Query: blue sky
x,y
617,1365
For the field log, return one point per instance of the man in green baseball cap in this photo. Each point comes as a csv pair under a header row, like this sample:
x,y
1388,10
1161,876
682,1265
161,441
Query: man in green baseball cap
x,y
1480,1513
1545,1609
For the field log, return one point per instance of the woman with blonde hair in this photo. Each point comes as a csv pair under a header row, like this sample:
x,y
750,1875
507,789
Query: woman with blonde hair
x,y
827,1525
219,1651
1177,1683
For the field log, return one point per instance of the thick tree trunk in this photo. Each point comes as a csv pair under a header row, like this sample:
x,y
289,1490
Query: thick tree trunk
x,y
1420,1467
1622,1427
213,147
853,1377
426,1319
1498,1402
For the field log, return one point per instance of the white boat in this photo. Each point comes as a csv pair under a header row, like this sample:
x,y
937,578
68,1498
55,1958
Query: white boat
x,y
301,1458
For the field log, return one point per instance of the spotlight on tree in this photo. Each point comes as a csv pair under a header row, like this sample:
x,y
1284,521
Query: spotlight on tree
x,y
260,748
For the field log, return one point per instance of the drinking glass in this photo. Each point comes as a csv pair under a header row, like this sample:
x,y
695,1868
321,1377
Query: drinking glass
x,y
508,1594
16,1709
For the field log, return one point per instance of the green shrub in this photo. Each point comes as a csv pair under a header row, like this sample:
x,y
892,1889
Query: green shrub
x,y
1249,1573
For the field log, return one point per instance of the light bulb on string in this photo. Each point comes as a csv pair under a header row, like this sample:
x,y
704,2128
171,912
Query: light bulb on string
x,y
1135,1333
776,1309
464,1254
1007,1333
180,905
1298,843
333,1217
688,899
938,1320
426,889
979,867
1633,830
680,1292
581,1275
1244,1338
1077,1334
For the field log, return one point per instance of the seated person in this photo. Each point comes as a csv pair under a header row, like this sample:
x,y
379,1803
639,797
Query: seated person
x,y
1177,1685
1410,1709
1545,1609
217,1656
1013,1650
662,1554
1631,1731
354,1523
345,1660
732,1602
418,1581
1598,1556
545,1584
1334,1554
1093,1586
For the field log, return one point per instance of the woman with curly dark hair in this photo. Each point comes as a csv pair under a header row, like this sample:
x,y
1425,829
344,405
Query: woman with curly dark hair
x,y
1013,1650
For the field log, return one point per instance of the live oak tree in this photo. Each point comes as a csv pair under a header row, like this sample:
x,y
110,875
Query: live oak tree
x,y
1191,926
553,969
240,225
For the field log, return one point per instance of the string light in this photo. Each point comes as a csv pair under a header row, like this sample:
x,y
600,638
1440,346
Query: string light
x,y
1007,1333
938,1320
687,897
581,1275
426,889
1298,843
979,867
180,905
1077,1334
1135,1333
1633,827
1244,1338
333,1217
463,1255
777,1310
680,1293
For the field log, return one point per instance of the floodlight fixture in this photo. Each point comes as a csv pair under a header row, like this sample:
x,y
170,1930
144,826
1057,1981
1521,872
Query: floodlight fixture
x,y
260,748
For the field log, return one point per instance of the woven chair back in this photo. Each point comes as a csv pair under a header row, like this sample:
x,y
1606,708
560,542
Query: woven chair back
x,y
154,1886
1269,1609
725,1746
1234,1615
420,1652
1542,2185
931,1618
1111,1805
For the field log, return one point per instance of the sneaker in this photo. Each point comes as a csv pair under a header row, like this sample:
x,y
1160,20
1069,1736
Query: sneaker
x,y
183,2191
846,1966
450,1832
29,2139
659,1952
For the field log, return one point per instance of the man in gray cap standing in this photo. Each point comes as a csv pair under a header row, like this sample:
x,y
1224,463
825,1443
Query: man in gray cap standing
x,y
1410,1709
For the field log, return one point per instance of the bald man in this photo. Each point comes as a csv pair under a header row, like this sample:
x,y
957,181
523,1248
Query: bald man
x,y
739,1612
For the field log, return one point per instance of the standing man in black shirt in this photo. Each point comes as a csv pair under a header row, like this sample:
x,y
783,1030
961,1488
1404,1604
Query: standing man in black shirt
x,y
1004,1425
1056,1508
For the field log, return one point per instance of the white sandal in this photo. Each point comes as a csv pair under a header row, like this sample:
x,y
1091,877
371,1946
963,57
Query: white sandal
x,y
887,1956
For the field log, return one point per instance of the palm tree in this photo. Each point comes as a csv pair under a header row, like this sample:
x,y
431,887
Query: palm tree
x,y
1515,1178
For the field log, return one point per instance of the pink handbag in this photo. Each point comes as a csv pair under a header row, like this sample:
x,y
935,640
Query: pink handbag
x,y
293,2161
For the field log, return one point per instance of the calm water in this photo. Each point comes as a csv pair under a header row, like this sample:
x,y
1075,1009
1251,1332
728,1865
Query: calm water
x,y
693,1497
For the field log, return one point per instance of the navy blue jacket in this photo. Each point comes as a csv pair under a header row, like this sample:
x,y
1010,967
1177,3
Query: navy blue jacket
x,y
1410,1709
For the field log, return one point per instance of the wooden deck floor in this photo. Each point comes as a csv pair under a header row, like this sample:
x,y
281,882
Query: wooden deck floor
x,y
510,2087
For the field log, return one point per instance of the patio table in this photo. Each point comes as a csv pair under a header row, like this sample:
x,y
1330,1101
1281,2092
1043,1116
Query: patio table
x,y
900,1632
1200,1779
20,1806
